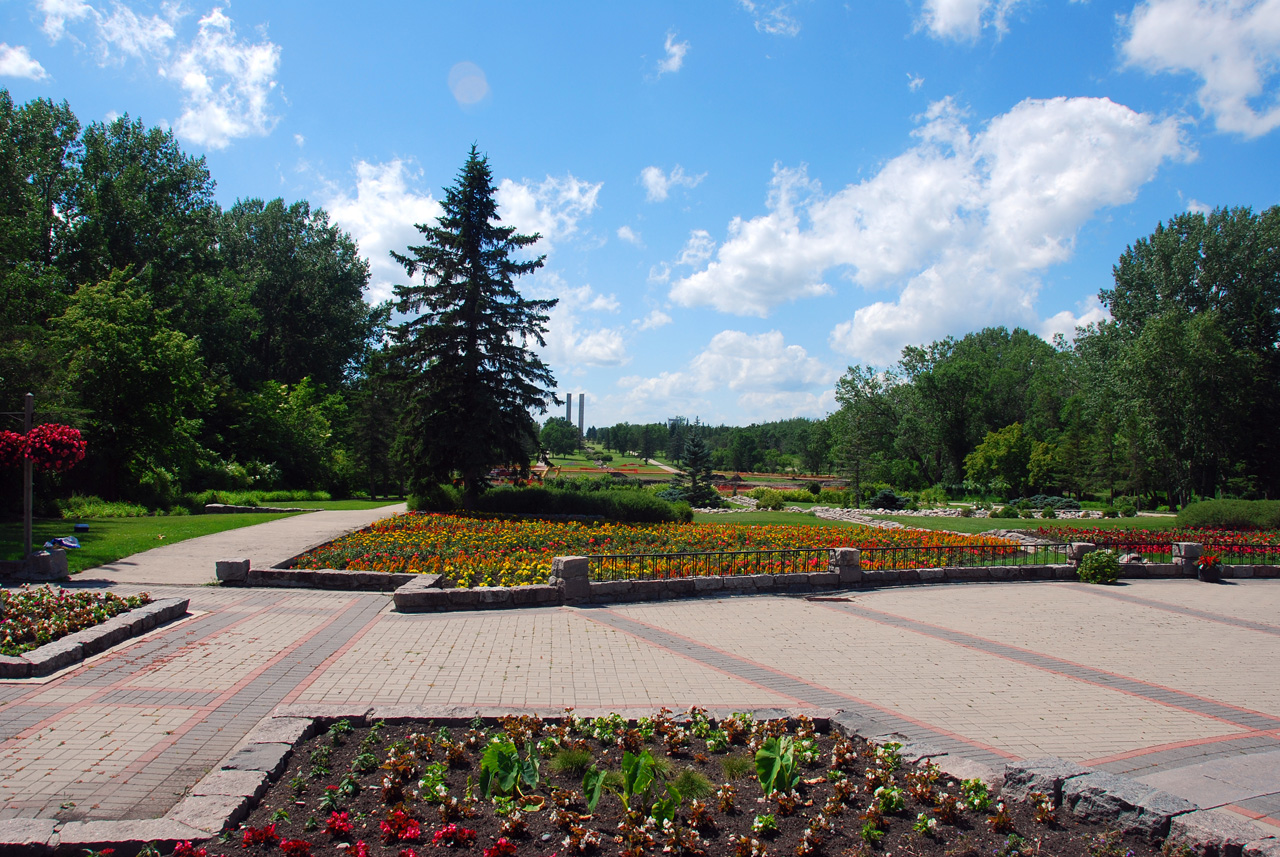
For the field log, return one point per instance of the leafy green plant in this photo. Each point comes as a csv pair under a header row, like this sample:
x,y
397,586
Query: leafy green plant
x,y
1099,567
593,782
736,767
693,785
975,794
504,772
570,760
639,773
776,766
764,824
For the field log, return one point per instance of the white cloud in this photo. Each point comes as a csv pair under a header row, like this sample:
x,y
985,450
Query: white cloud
x,y
960,223
573,342
1195,206
655,319
696,251
771,379
675,54
299,140
963,20
914,82
468,83
381,217
772,17
657,184
226,81
1233,46
1066,322
626,233
551,208
17,62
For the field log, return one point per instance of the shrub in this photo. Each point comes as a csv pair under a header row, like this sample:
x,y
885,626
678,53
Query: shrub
x,y
1004,512
616,505
1127,511
1048,512
814,488
885,498
436,498
935,496
80,506
1058,504
1099,567
1231,515
767,498
1110,512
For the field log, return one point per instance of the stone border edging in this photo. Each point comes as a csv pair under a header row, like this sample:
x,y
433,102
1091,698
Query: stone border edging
x,y
226,795
75,647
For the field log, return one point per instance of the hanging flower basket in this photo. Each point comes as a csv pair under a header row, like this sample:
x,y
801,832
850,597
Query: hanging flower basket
x,y
13,448
55,447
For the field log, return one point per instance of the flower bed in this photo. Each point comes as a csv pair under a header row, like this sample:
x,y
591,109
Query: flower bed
x,y
1233,546
608,786
488,550
31,617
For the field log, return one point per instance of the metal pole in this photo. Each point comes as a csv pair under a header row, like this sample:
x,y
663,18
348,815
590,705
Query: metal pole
x,y
28,411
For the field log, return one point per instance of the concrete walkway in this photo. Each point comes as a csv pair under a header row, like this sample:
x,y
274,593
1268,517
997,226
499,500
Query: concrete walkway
x,y
190,563
1169,681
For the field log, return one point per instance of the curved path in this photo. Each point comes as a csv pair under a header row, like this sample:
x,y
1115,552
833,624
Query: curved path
x,y
1170,681
190,562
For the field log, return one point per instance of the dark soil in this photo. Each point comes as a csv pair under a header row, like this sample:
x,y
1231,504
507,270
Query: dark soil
x,y
834,801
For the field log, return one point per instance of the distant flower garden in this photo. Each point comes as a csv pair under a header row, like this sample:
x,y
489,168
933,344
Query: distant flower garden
x,y
1237,546
29,617
486,550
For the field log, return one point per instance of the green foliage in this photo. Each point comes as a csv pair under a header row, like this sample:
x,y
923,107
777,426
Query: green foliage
x,y
472,382
1231,514
776,766
79,506
1100,566
736,767
767,499
639,775
1004,456
617,505
504,772
694,482
571,761
1004,512
593,782
559,436
693,785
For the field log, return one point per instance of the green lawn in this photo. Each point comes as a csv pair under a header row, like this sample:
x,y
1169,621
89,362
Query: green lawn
x,y
109,539
791,518
337,505
980,525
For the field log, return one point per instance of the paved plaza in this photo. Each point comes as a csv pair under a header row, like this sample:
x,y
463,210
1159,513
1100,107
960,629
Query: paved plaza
x,y
1171,681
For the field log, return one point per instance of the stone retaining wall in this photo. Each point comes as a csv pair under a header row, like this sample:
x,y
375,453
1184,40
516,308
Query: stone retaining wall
x,y
229,793
74,648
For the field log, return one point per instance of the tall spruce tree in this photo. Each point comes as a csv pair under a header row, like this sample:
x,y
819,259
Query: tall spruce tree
x,y
472,381
695,481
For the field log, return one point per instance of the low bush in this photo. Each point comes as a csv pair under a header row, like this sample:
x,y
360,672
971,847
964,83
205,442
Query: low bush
x,y
767,498
886,499
814,488
1004,512
80,506
1110,512
624,504
196,501
1099,567
1231,514
1042,501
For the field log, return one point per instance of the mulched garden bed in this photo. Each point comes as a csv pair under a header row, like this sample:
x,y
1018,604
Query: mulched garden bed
x,y
30,616
659,785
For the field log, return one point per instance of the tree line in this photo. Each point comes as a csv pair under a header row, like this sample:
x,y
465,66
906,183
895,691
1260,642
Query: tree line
x,y
1175,396
195,346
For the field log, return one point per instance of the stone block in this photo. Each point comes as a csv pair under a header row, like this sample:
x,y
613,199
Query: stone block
x,y
327,578
880,577
915,751
54,656
31,836
420,600
967,769
679,587
855,725
1077,550
271,758
795,581
1044,775
491,597
1187,550
846,557
464,599
232,570
708,584
931,575
573,574
1213,833
14,667
908,575
1122,803
824,579
763,582
850,575
45,565
127,837
1269,847
525,596
226,783
210,814
281,730
648,590
740,583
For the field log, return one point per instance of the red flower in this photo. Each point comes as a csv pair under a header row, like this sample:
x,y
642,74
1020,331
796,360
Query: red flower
x,y
361,849
502,848
453,836
13,448
339,824
261,835
400,826
295,847
185,849
407,852
54,447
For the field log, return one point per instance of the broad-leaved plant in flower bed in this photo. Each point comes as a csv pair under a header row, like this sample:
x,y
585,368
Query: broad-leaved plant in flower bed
x,y
33,616
661,785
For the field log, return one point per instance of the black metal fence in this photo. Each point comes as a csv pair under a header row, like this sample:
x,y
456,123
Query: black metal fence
x,y
955,556
1233,554
1148,551
665,566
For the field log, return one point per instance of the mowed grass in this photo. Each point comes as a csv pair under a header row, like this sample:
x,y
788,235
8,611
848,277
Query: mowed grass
x,y
110,539
982,525
338,505
790,518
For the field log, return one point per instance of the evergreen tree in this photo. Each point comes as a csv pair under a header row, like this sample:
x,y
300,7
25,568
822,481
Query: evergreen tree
x,y
695,482
472,381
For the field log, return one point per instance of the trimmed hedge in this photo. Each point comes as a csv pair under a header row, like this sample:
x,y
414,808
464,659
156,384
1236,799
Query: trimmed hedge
x,y
630,506
1231,515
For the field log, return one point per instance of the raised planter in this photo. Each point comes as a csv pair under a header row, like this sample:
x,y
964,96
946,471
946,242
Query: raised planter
x,y
74,648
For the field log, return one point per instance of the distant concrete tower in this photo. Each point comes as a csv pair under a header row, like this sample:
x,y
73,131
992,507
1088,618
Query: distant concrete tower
x,y
582,398
568,408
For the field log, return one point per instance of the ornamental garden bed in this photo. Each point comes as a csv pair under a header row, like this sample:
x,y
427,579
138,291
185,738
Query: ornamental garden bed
x,y
481,550
693,785
43,629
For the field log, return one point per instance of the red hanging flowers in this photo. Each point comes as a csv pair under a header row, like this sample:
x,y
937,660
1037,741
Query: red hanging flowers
x,y
51,446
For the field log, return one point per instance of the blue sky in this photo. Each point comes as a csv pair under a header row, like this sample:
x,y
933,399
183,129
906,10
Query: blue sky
x,y
738,199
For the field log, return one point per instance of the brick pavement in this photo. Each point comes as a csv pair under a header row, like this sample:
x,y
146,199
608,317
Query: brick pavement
x,y
1166,680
